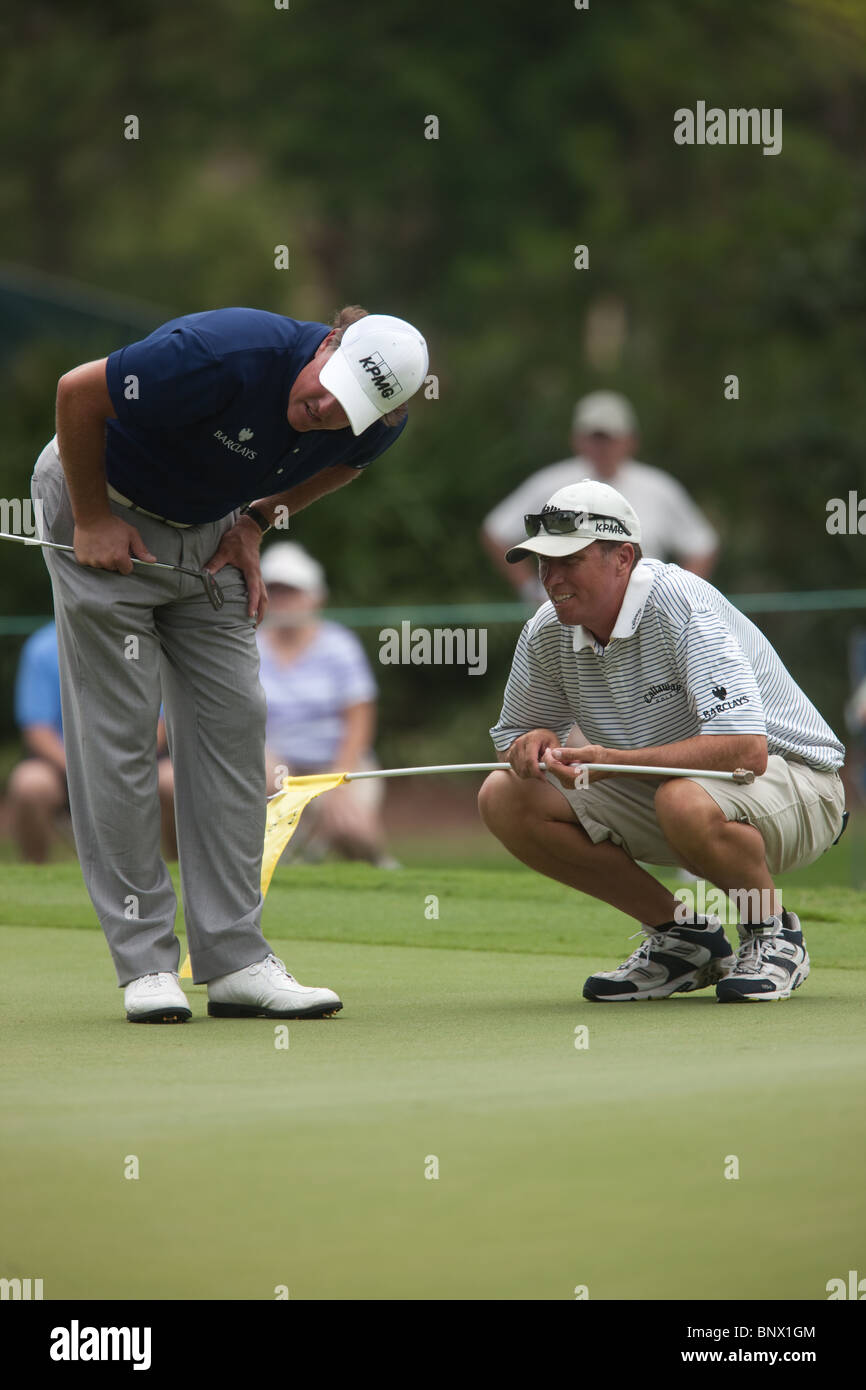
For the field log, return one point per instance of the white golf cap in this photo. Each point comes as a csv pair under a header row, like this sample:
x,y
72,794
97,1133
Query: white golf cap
x,y
380,363
604,412
602,514
289,564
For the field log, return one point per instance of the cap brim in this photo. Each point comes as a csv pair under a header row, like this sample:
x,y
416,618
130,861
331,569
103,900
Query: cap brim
x,y
614,429
336,377
547,545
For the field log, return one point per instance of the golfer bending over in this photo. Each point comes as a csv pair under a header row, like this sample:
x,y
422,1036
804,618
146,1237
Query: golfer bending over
x,y
657,668
158,448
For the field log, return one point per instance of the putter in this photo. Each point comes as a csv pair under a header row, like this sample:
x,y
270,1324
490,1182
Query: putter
x,y
211,588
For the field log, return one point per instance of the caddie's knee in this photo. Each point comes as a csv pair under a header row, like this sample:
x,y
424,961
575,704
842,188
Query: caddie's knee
x,y
680,804
490,797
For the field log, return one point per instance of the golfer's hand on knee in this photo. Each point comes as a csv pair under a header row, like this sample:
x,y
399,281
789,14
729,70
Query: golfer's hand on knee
x,y
240,547
109,545
529,750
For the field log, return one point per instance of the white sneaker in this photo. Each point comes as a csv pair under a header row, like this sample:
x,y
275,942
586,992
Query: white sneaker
x,y
678,959
156,998
771,963
267,990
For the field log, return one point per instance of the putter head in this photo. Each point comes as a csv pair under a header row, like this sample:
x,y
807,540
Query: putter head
x,y
212,589
743,774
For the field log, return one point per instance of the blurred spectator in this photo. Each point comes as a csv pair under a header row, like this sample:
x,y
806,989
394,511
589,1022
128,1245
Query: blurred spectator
x,y
321,697
37,786
604,437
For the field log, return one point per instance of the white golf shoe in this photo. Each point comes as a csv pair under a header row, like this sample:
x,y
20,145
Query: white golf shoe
x,y
267,990
156,998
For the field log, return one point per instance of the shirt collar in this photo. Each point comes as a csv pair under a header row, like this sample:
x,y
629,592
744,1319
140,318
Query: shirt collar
x,y
629,615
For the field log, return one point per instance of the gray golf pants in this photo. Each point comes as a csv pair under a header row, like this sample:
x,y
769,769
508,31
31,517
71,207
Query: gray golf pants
x,y
126,643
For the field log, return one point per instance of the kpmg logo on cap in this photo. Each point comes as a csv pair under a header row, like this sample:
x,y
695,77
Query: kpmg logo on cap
x,y
384,379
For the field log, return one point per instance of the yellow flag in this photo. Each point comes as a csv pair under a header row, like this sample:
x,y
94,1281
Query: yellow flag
x,y
284,812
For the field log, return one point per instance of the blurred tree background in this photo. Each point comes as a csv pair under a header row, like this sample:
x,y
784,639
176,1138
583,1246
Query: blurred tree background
x,y
305,126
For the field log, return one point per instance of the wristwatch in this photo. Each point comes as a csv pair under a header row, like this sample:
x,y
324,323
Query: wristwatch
x,y
258,517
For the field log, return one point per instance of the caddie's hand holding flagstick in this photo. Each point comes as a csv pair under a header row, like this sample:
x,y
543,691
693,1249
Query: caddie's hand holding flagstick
x,y
527,753
594,763
565,763
538,752
689,758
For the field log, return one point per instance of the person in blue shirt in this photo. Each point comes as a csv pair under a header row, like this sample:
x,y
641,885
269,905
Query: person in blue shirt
x,y
185,448
37,789
37,786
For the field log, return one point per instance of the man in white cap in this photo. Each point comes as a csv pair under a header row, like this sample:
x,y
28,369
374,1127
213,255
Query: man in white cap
x,y
604,438
659,670
183,448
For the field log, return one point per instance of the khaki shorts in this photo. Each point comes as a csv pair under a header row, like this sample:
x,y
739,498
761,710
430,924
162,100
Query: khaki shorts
x,y
797,809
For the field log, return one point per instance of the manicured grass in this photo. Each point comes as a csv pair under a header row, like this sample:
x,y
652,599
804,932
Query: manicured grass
x,y
495,907
558,1166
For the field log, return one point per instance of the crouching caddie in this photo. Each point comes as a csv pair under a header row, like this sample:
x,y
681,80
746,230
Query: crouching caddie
x,y
656,668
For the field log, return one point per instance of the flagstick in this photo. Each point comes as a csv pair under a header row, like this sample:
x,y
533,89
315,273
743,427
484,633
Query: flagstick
x,y
740,775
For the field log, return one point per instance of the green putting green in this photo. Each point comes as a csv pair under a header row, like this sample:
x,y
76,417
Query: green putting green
x,y
306,1168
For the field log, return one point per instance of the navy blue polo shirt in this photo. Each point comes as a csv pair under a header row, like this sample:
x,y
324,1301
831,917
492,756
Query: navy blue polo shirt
x,y
201,422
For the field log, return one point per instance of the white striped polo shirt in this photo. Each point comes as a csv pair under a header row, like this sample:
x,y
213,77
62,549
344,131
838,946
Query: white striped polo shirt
x,y
680,661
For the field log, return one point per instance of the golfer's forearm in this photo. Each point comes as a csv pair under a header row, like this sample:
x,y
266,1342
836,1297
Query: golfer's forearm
x,y
713,752
296,498
83,406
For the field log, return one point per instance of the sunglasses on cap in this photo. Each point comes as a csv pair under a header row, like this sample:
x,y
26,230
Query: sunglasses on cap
x,y
558,522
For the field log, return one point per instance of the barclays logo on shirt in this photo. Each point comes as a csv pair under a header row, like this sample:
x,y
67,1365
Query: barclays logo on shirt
x,y
234,446
708,714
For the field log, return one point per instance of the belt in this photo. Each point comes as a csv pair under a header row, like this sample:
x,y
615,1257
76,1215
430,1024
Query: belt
x,y
134,507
